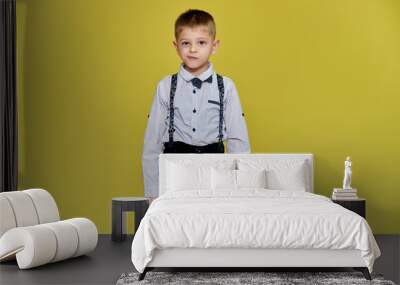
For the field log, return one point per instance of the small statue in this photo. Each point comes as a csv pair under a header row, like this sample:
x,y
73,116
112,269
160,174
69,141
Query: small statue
x,y
347,174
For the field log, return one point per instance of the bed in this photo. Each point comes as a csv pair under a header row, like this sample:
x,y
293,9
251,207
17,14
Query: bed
x,y
245,211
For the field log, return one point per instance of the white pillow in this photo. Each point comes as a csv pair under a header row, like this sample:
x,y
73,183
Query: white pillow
x,y
282,174
181,177
251,178
236,179
223,179
288,179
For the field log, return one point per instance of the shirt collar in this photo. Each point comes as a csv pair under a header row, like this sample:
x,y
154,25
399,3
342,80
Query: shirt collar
x,y
203,76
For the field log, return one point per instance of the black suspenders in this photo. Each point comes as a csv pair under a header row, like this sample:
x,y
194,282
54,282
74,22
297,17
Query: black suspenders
x,y
221,89
221,105
171,129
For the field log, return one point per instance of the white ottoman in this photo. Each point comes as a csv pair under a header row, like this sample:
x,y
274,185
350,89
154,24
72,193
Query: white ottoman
x,y
31,232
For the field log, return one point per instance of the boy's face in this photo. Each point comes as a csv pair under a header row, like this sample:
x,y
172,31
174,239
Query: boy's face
x,y
195,46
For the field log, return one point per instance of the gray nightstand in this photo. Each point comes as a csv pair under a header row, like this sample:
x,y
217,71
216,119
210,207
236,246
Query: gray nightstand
x,y
356,205
120,206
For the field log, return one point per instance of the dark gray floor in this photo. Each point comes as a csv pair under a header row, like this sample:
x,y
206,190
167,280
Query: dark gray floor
x,y
111,259
389,262
103,266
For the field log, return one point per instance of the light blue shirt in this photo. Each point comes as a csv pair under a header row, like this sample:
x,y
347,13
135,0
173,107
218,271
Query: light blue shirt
x,y
196,120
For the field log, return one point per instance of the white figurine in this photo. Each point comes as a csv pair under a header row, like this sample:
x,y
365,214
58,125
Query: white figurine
x,y
347,174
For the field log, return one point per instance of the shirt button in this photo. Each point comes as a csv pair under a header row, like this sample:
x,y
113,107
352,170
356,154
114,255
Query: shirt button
x,y
194,129
194,110
194,91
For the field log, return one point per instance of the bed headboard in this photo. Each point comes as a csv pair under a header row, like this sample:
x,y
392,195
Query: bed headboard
x,y
209,157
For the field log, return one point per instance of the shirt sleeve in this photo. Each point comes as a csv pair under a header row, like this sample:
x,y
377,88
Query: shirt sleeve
x,y
153,145
236,129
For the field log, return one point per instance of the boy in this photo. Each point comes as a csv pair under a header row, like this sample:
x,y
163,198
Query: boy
x,y
195,110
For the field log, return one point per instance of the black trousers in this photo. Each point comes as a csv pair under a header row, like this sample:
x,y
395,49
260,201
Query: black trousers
x,y
181,147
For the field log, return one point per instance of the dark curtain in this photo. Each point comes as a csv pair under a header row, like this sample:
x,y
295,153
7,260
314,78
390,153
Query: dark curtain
x,y
8,100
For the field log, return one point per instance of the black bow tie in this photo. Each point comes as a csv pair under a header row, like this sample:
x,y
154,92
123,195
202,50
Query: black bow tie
x,y
197,82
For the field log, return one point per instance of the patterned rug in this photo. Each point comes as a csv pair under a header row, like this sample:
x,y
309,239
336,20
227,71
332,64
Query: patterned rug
x,y
243,278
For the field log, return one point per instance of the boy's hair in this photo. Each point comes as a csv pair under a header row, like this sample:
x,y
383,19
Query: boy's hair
x,y
192,18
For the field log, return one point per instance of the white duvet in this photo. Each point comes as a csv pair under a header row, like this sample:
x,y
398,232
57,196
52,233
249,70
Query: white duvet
x,y
250,218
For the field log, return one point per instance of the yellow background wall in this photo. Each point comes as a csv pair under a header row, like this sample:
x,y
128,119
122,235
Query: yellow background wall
x,y
313,76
